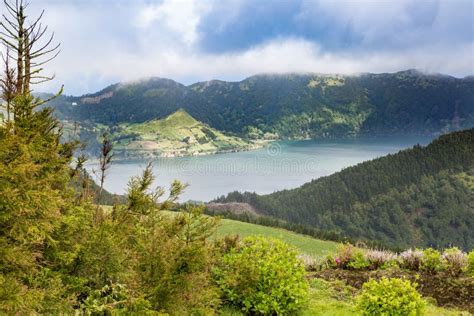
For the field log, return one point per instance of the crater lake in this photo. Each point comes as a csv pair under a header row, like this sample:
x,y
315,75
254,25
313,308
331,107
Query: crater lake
x,y
280,165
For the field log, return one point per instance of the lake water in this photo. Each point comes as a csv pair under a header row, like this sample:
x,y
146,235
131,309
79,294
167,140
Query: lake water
x,y
281,165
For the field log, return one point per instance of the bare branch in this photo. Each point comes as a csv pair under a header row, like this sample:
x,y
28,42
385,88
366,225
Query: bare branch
x,y
12,24
7,35
23,42
8,30
45,46
38,35
33,25
105,162
8,84
46,61
9,43
46,79
41,102
13,11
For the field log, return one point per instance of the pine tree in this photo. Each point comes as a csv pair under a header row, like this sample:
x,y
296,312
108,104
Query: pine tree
x,y
34,177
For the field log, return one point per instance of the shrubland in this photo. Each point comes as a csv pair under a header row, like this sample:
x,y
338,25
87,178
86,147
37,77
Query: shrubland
x,y
444,276
348,257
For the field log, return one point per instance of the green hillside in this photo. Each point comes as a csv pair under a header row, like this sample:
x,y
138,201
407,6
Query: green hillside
x,y
418,197
305,244
291,105
179,134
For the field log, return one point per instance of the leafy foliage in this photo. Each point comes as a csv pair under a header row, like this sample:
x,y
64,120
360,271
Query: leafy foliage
x,y
380,258
60,253
431,260
390,297
348,257
262,276
34,168
113,299
470,260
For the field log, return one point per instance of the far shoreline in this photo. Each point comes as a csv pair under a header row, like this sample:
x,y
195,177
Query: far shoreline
x,y
120,157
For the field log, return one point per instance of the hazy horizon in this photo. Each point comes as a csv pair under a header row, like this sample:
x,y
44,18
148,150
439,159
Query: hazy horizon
x,y
254,75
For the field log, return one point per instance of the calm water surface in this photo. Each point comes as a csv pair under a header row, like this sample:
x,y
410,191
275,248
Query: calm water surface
x,y
281,165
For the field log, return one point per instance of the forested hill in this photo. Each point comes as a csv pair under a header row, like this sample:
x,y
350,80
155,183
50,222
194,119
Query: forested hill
x,y
292,105
422,196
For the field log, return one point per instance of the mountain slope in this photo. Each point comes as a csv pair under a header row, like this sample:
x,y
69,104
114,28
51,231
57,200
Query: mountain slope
x,y
291,106
422,196
179,134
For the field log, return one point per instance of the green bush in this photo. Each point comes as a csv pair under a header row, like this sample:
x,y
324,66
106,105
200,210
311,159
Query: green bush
x,y
431,261
358,261
263,276
343,256
348,257
470,263
390,297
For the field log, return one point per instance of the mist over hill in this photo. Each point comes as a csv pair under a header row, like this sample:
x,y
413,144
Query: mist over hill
x,y
290,106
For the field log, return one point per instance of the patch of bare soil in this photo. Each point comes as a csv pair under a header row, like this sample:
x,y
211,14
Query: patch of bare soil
x,y
234,207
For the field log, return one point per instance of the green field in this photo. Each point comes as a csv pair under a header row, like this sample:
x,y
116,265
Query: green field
x,y
305,244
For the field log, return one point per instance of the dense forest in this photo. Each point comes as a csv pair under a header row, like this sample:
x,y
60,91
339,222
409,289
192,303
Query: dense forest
x,y
289,106
423,196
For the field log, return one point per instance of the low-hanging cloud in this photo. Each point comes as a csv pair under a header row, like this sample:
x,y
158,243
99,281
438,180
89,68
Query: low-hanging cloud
x,y
105,42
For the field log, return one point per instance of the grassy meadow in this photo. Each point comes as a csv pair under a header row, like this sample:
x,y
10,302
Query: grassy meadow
x,y
304,244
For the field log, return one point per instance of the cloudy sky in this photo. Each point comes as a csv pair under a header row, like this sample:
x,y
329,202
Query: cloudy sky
x,y
106,41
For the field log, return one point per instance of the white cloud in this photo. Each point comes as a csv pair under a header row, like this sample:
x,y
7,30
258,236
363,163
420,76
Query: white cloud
x,y
106,44
179,16
281,56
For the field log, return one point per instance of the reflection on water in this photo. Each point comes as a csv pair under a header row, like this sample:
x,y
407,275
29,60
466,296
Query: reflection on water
x,y
282,165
